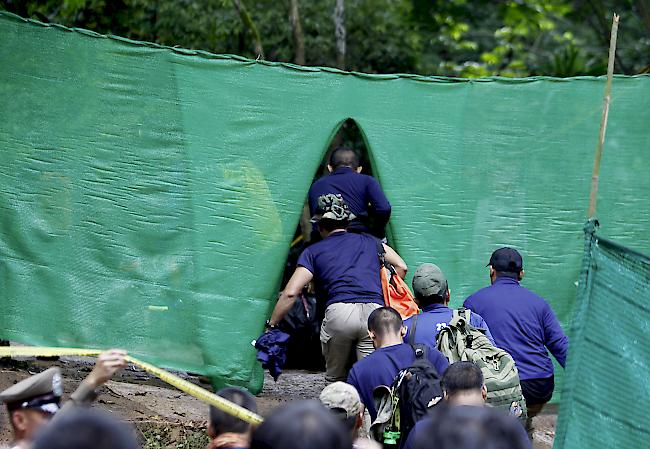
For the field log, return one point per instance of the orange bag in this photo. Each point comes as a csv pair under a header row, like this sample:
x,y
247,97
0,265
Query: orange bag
x,y
396,293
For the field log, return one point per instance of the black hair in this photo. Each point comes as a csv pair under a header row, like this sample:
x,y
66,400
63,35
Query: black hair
x,y
462,376
469,427
424,301
301,425
384,320
330,225
223,422
344,157
507,274
86,429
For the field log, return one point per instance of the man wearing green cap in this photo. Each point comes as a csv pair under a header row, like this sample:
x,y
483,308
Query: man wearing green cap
x,y
432,295
345,268
32,402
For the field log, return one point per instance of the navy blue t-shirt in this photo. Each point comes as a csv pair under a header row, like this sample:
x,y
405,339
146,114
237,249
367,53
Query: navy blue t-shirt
x,y
381,367
345,266
523,324
359,191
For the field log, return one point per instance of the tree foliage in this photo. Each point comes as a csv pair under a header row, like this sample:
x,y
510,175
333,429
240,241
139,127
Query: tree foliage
x,y
470,38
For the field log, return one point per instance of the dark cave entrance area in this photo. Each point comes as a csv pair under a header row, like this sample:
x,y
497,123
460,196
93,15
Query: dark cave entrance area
x,y
302,323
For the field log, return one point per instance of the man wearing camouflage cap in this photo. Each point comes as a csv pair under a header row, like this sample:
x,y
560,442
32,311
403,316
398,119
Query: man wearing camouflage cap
x,y
32,402
345,268
432,295
343,400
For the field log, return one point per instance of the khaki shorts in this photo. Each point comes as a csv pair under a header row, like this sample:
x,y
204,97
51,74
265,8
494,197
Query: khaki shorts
x,y
344,337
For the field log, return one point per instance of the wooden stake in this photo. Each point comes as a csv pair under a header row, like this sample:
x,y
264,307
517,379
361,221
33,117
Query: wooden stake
x,y
603,122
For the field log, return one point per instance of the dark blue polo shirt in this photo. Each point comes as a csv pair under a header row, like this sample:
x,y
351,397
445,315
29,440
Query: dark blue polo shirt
x,y
523,324
433,318
357,190
381,367
345,266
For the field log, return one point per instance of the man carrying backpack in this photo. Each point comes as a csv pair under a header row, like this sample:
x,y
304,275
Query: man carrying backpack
x,y
391,355
345,270
432,296
523,324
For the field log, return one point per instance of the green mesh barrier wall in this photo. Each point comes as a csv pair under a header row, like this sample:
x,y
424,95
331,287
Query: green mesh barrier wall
x,y
149,194
606,383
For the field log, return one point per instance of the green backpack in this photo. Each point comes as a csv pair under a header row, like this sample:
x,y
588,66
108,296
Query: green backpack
x,y
460,341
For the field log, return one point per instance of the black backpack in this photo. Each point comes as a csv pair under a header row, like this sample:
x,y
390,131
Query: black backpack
x,y
410,397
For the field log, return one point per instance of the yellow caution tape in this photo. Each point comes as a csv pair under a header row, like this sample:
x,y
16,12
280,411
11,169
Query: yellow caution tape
x,y
182,384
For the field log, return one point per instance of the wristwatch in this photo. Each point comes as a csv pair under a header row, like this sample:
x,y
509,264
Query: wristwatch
x,y
268,325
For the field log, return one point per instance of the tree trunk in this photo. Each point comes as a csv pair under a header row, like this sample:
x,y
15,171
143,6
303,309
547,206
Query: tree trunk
x,y
339,32
248,23
298,38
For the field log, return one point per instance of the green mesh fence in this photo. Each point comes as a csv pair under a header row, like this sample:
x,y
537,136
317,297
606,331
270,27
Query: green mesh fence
x,y
148,195
606,383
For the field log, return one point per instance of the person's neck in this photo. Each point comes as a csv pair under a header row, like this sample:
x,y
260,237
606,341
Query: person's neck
x,y
389,340
469,397
335,231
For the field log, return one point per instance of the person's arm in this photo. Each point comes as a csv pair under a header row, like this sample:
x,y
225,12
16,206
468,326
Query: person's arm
x,y
108,363
380,206
554,338
301,277
395,260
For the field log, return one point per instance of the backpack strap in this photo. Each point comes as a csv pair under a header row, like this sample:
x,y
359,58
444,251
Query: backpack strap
x,y
465,313
412,330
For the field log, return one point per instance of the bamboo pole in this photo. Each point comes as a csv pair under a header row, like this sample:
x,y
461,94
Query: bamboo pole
x,y
603,121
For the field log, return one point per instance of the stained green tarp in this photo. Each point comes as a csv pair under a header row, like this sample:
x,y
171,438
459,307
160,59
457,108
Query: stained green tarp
x,y
148,195
606,388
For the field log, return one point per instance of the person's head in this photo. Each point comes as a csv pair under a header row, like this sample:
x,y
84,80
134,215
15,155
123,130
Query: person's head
x,y
430,285
332,213
344,401
32,402
301,425
469,427
222,422
506,262
463,384
385,327
344,157
86,429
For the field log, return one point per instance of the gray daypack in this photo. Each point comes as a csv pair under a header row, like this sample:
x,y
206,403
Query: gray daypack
x,y
460,341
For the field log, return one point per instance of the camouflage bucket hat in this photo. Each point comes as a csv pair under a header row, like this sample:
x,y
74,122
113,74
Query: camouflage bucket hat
x,y
333,207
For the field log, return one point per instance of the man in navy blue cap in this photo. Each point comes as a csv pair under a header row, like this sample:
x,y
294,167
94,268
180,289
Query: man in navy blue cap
x,y
523,324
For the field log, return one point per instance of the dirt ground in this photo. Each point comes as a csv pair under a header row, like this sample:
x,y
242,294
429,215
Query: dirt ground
x,y
168,418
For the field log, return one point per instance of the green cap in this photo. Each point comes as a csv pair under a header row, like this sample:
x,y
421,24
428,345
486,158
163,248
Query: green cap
x,y
332,206
429,280
340,395
42,392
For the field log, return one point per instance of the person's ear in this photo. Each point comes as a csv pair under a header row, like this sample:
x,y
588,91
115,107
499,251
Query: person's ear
x,y
447,297
521,274
445,395
330,168
359,423
358,170
372,335
402,331
211,433
484,392
19,421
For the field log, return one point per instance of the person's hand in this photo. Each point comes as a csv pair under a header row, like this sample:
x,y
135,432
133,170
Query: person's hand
x,y
108,363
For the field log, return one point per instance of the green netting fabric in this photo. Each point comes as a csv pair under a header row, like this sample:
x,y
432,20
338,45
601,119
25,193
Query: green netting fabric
x,y
606,385
148,195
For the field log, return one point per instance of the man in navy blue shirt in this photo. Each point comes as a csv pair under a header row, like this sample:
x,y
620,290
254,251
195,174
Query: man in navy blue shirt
x,y
523,324
390,356
345,268
362,193
432,296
